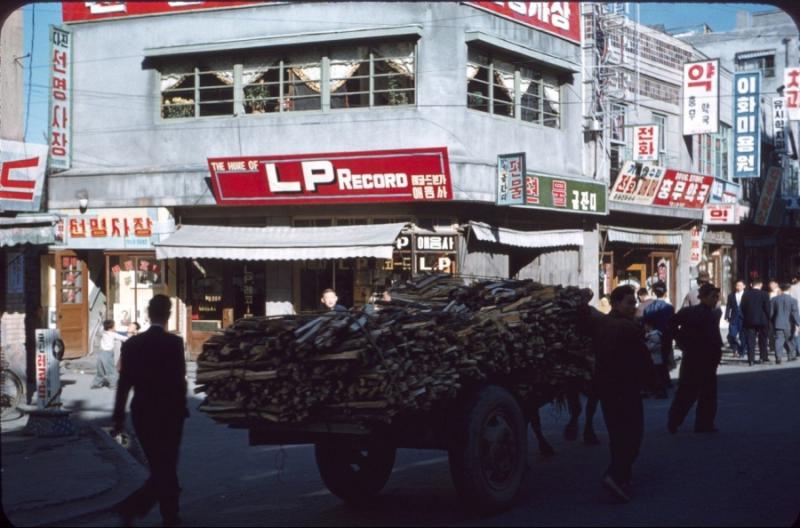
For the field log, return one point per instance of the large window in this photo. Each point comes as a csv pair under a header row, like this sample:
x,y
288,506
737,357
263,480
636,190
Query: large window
x,y
714,153
617,140
357,77
132,282
661,121
763,61
505,86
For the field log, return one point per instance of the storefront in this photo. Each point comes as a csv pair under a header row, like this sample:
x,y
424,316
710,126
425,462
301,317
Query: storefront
x,y
719,260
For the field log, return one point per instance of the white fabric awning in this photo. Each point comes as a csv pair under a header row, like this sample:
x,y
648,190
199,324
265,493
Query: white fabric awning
x,y
527,239
280,243
644,237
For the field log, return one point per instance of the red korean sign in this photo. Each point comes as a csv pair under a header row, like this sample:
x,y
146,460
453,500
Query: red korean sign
x,y
60,107
701,97
683,189
791,91
720,213
645,143
559,18
87,11
342,177
22,168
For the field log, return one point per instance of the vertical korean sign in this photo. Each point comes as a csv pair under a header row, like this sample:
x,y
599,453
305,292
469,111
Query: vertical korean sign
x,y
48,382
779,124
768,195
791,91
645,147
511,179
746,123
701,97
60,115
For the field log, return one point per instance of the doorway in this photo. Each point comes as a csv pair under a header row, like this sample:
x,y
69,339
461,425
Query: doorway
x,y
72,304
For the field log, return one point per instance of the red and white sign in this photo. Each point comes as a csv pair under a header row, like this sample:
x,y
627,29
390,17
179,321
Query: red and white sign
x,y
701,97
683,189
769,192
22,168
791,91
696,251
720,213
87,11
559,18
645,143
342,177
635,186
60,108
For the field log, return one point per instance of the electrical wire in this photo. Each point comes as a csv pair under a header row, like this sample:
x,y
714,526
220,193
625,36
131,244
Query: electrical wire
x,y
30,74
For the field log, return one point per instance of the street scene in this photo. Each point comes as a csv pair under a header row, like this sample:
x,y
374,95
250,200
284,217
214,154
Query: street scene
x,y
399,263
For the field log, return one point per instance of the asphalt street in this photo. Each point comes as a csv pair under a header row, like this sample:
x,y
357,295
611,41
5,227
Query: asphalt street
x,y
745,475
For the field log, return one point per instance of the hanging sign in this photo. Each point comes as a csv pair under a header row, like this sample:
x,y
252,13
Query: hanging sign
x,y
701,97
683,189
379,176
562,19
747,124
60,108
719,213
779,124
48,382
87,11
645,143
696,250
511,179
636,184
22,167
791,92
562,194
766,200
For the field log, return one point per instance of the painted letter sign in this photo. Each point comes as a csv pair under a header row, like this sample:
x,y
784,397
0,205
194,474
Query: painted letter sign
x,y
60,109
791,91
701,97
511,179
22,168
645,143
747,125
562,19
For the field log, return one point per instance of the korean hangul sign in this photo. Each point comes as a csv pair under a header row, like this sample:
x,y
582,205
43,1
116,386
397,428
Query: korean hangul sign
x,y
636,184
769,192
791,92
683,189
22,167
696,250
645,143
779,124
559,18
511,179
746,124
720,213
342,177
48,381
60,108
550,192
701,97
115,229
87,11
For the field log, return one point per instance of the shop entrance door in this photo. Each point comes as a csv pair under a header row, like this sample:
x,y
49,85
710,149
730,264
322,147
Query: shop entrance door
x,y
662,266
635,275
71,303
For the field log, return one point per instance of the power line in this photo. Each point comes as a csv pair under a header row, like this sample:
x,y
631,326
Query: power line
x,y
30,72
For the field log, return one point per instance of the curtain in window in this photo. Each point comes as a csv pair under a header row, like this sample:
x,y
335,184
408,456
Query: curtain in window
x,y
252,72
311,75
505,79
171,80
472,71
551,96
404,65
226,77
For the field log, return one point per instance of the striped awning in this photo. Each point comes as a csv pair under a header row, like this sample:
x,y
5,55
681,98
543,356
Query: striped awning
x,y
280,243
527,239
754,54
644,237
36,235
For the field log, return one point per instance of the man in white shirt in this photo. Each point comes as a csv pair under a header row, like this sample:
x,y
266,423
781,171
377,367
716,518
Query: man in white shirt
x,y
733,314
107,374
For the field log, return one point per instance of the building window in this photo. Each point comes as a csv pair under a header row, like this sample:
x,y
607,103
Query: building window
x,y
661,121
715,152
358,77
617,140
757,61
502,85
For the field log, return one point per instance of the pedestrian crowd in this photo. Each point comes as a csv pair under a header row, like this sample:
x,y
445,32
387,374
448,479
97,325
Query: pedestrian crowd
x,y
633,345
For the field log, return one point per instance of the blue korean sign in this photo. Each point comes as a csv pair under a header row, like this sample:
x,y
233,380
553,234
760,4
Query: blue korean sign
x,y
746,125
511,179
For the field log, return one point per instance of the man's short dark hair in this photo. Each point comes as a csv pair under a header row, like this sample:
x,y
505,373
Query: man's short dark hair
x,y
327,290
108,324
620,292
641,291
159,307
786,286
137,325
706,290
660,289
756,282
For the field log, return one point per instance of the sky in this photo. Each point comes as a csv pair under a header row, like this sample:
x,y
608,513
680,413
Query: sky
x,y
38,17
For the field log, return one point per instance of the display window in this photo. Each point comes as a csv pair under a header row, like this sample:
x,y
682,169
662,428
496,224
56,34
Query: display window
x,y
223,291
71,280
640,268
133,279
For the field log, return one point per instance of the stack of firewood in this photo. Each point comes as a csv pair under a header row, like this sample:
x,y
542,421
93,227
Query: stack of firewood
x,y
436,335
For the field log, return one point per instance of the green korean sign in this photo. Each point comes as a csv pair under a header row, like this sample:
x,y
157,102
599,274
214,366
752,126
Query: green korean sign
x,y
562,194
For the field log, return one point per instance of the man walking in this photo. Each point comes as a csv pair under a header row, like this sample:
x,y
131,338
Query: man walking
x,y
622,370
755,318
658,316
784,317
696,330
733,315
692,298
153,366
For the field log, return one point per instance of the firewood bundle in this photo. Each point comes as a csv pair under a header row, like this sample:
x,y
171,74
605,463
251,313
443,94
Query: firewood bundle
x,y
435,336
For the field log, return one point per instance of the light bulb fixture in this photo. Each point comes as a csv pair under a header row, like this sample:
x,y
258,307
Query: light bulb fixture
x,y
83,200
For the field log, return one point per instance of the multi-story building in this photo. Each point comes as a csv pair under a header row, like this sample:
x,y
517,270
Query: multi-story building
x,y
765,42
301,146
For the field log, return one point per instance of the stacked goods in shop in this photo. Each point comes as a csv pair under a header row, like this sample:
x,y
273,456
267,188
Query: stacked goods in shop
x,y
436,335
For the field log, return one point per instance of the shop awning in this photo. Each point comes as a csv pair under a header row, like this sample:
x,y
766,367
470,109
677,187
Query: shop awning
x,y
280,243
527,239
36,229
644,237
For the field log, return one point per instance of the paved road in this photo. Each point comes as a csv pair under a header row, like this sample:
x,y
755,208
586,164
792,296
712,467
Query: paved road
x,y
745,475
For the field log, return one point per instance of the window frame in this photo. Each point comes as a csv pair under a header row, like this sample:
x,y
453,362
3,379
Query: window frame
x,y
661,120
713,160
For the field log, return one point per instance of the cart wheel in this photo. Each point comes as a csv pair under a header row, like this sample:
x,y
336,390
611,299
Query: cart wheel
x,y
354,473
488,461
13,394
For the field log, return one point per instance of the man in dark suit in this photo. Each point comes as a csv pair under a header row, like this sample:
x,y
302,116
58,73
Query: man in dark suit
x,y
733,314
784,316
153,365
696,330
755,317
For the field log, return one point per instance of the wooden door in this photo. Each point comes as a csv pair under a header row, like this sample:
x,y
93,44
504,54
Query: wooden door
x,y
72,303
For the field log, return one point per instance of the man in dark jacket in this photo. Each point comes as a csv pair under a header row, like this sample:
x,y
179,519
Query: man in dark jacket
x,y
696,330
153,365
623,368
755,318
733,315
784,317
